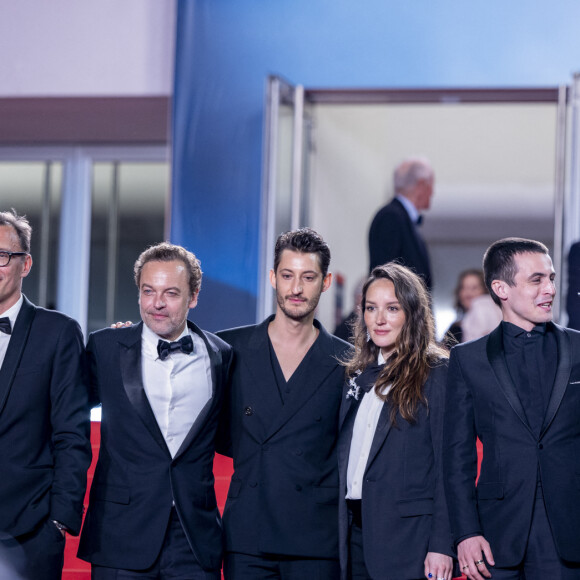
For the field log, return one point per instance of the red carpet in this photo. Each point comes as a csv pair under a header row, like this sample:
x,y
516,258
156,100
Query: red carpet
x,y
75,569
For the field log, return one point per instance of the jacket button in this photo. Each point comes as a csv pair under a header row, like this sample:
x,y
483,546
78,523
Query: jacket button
x,y
253,483
248,411
298,452
541,446
298,487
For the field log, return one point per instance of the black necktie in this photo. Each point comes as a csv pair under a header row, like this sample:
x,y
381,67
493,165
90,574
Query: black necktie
x,y
5,325
164,348
419,220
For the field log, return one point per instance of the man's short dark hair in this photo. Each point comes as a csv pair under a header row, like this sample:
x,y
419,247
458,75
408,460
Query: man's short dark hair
x,y
21,227
306,241
499,262
166,252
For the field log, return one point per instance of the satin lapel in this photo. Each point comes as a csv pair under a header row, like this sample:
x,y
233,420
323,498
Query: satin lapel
x,y
320,365
348,413
383,427
562,376
131,372
497,361
215,359
15,349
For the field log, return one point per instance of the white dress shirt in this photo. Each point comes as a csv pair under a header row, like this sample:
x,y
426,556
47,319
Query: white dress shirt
x,y
178,387
363,433
11,313
411,209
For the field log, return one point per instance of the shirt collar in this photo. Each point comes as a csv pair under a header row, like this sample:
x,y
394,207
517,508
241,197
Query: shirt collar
x,y
13,311
151,339
411,209
514,330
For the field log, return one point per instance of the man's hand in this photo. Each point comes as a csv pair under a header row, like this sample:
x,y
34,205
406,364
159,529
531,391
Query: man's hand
x,y
121,324
470,553
438,566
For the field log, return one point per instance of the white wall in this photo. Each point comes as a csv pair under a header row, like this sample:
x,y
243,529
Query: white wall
x,y
494,177
86,48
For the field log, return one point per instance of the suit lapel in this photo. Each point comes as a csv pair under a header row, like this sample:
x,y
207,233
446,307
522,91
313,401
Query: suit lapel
x,y
348,411
496,359
320,364
263,389
15,349
131,372
562,376
383,427
215,358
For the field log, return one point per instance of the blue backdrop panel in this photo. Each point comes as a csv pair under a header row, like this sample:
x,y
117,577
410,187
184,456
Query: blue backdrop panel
x,y
226,48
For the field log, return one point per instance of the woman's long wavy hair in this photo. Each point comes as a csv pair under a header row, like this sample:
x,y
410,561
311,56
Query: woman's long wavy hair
x,y
416,351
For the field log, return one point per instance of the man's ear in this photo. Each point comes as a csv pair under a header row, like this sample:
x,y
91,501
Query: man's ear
x,y
500,288
273,279
27,265
193,301
327,282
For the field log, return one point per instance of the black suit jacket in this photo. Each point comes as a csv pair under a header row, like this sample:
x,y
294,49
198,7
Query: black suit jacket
x,y
573,298
136,480
404,511
482,401
283,494
393,236
44,423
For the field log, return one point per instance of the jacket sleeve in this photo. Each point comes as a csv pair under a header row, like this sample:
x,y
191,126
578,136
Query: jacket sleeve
x,y
70,422
440,539
460,453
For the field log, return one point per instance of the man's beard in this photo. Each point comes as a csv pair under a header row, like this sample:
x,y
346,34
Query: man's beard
x,y
298,313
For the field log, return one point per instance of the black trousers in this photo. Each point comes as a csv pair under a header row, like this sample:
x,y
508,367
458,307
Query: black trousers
x,y
247,567
176,561
38,555
541,561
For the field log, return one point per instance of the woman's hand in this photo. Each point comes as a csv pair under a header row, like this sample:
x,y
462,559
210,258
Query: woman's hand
x,y
438,566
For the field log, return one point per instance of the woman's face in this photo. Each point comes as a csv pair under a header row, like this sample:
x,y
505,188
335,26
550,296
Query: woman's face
x,y
471,288
383,315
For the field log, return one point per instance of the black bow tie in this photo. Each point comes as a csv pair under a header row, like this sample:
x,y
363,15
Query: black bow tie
x,y
5,325
164,348
369,377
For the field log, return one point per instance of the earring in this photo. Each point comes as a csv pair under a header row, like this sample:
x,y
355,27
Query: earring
x,y
368,336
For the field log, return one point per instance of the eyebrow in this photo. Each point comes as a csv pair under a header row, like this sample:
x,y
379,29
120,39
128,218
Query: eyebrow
x,y
541,274
289,270
388,303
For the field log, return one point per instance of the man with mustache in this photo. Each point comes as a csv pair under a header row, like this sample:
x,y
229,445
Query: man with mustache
x,y
280,426
152,510
518,391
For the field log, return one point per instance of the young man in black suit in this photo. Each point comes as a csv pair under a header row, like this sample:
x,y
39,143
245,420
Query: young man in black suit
x,y
280,426
518,391
152,510
44,420
393,235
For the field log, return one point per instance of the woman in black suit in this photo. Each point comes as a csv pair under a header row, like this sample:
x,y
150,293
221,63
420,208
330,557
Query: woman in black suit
x,y
393,514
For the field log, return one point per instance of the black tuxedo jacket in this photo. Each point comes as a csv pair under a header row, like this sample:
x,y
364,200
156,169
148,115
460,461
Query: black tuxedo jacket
x,y
136,480
482,401
573,297
393,236
404,511
45,449
283,494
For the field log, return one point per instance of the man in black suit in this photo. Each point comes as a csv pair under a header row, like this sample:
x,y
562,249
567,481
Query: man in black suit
x,y
280,426
393,234
573,298
518,391
152,510
44,420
